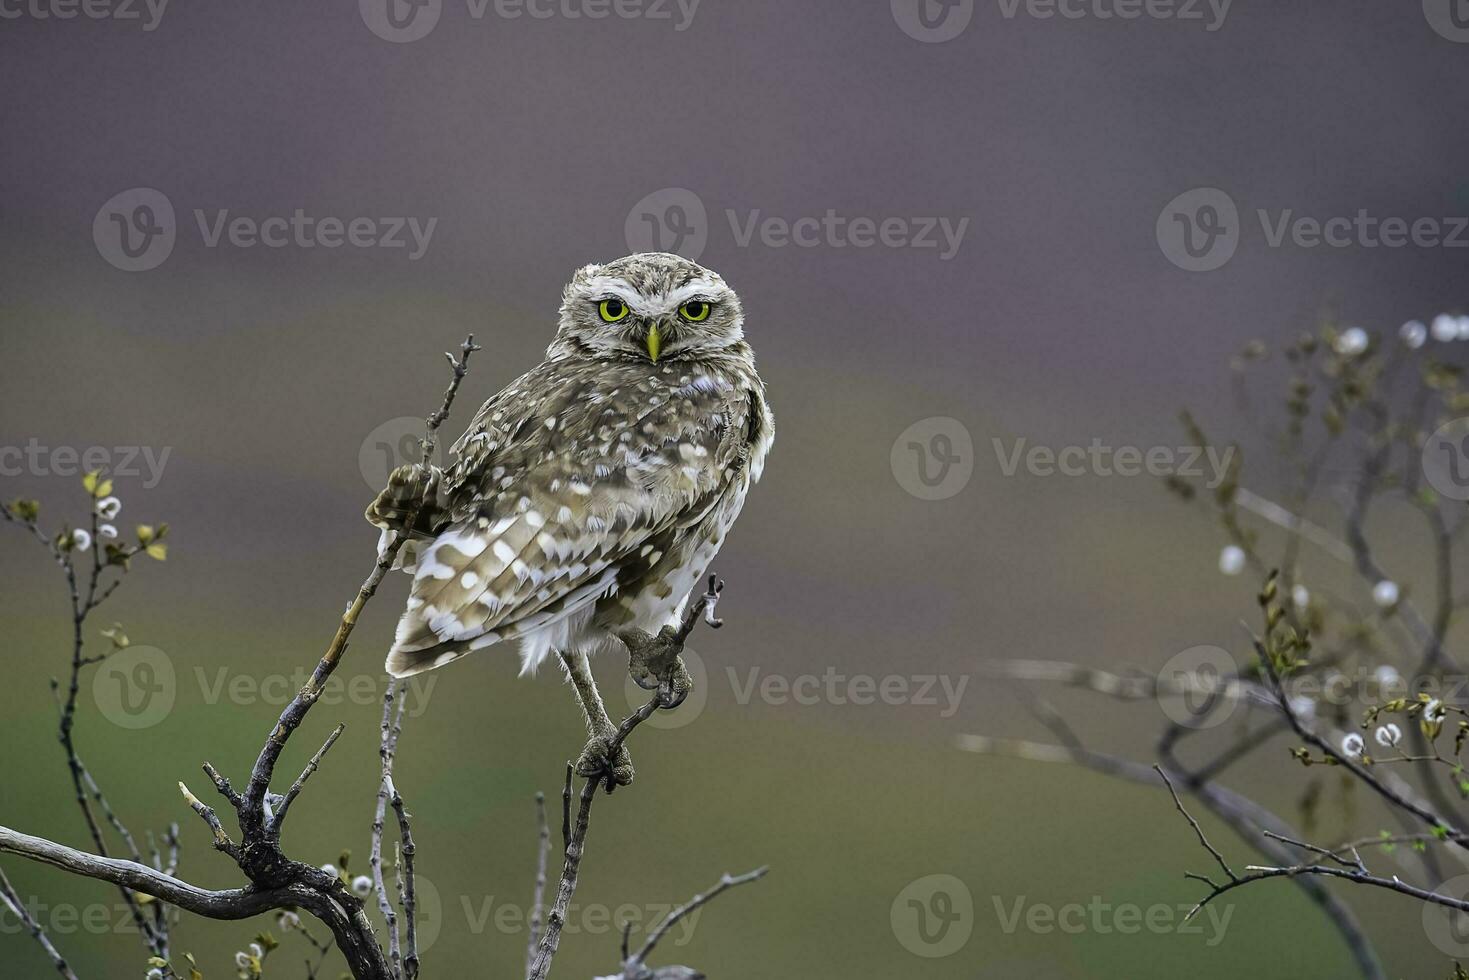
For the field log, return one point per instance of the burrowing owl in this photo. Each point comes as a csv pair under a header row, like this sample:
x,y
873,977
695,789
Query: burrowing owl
x,y
591,494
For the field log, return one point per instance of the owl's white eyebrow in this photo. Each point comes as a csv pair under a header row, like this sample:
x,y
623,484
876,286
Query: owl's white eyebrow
x,y
608,286
658,305
698,289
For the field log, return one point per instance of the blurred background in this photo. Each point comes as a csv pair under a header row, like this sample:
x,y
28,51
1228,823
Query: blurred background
x,y
236,238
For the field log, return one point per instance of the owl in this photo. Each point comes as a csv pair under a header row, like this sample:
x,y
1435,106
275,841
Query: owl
x,y
588,497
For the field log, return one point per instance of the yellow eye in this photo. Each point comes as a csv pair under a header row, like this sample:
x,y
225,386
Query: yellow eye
x,y
612,310
696,311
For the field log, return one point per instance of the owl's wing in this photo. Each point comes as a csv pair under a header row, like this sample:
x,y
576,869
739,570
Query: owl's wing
x,y
563,492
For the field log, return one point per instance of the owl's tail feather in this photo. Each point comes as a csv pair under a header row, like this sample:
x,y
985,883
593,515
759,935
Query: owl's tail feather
x,y
406,663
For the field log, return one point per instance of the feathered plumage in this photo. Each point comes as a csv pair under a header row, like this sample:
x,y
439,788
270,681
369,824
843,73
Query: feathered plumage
x,y
592,493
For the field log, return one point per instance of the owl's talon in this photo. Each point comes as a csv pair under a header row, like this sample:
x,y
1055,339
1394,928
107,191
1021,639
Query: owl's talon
x,y
654,664
675,687
596,762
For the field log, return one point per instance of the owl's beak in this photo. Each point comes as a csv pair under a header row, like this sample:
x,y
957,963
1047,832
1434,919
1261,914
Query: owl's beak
x,y
655,342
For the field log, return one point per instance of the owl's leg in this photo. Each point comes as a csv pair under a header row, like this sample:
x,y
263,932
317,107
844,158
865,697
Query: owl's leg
x,y
654,662
596,759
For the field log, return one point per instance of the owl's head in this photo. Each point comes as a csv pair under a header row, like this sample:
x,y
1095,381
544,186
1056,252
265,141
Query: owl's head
x,y
650,306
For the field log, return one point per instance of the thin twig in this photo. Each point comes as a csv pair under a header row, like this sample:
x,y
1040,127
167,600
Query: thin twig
x,y
18,909
725,883
538,900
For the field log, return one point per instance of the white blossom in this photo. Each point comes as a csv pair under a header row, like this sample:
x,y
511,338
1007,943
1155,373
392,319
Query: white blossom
x,y
106,531
1434,711
1414,333
1301,596
1232,560
287,921
1351,342
108,507
1388,735
153,974
1303,707
242,960
81,540
1387,676
362,886
1445,327
330,869
1385,593
1352,746
256,951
